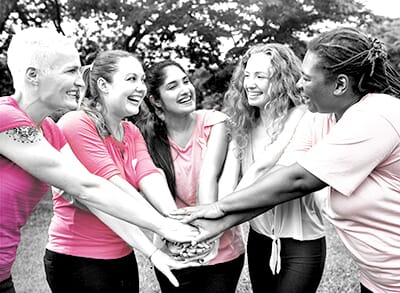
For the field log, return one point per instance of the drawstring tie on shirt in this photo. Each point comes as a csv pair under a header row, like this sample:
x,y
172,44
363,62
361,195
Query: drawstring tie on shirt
x,y
275,259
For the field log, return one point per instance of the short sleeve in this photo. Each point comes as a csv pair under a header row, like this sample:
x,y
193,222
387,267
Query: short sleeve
x,y
143,164
53,134
353,148
84,140
209,119
11,116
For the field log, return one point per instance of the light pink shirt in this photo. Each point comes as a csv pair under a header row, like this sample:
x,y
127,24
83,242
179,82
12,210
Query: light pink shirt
x,y
360,160
19,191
187,164
77,232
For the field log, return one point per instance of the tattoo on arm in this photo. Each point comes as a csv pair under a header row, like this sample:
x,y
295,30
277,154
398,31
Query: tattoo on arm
x,y
24,134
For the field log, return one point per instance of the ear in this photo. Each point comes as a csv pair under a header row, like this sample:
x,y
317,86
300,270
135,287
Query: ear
x,y
342,84
102,85
32,75
155,102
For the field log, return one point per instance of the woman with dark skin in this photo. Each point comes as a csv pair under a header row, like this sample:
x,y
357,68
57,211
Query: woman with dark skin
x,y
350,143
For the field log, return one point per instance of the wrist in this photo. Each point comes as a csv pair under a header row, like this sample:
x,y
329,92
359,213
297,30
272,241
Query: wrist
x,y
220,208
152,253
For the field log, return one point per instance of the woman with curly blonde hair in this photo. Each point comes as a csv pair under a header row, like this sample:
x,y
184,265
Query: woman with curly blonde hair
x,y
286,245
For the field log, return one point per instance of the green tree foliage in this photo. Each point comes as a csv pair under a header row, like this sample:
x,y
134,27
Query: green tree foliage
x,y
191,29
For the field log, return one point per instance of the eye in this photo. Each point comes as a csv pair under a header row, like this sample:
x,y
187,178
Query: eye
x,y
132,78
171,86
73,70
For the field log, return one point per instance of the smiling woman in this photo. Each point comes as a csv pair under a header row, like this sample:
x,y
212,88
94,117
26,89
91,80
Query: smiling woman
x,y
100,255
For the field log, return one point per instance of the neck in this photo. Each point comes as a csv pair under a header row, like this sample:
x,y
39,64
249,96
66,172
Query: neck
x,y
179,123
180,128
265,118
115,127
349,102
33,107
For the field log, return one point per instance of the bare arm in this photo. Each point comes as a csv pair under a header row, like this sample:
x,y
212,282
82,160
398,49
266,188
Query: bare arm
x,y
230,173
274,150
271,189
276,187
155,189
207,190
41,160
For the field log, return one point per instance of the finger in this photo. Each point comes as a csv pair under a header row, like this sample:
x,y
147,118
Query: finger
x,y
171,278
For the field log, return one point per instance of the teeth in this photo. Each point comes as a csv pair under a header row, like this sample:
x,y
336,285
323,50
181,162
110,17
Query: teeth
x,y
73,93
185,100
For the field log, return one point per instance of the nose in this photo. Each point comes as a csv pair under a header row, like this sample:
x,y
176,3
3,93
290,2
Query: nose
x,y
249,82
299,84
141,87
79,81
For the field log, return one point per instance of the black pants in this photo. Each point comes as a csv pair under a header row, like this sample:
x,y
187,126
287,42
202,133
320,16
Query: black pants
x,y
218,278
7,286
71,274
365,289
302,264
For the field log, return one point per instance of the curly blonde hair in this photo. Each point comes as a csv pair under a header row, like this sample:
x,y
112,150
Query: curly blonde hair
x,y
285,70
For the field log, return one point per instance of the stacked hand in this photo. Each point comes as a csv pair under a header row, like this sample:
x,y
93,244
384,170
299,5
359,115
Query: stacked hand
x,y
175,231
189,214
165,263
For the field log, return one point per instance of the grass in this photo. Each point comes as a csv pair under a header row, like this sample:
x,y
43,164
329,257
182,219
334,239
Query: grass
x,y
340,275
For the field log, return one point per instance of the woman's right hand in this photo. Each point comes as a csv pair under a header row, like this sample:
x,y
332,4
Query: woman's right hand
x,y
175,231
165,263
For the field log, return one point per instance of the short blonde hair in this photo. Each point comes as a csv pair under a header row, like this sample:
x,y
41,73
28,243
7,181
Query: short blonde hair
x,y
34,47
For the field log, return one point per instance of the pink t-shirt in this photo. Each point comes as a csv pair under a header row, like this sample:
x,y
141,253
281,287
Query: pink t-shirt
x,y
187,164
74,231
19,191
364,202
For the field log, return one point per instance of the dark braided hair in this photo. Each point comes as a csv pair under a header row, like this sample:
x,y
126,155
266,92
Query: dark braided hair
x,y
152,125
362,58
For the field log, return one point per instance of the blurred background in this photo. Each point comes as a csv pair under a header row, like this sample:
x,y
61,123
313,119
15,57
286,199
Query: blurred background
x,y
206,36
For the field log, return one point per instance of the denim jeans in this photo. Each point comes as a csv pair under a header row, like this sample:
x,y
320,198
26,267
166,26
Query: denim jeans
x,y
7,286
302,264
218,278
66,273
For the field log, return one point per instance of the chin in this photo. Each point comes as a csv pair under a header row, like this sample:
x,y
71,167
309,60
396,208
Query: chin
x,y
71,106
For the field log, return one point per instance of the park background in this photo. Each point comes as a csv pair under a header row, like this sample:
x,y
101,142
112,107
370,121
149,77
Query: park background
x,y
207,37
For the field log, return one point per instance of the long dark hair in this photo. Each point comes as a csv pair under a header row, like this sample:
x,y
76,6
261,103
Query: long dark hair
x,y
152,125
362,58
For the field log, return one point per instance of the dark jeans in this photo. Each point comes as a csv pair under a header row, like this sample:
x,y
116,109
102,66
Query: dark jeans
x,y
71,274
218,278
302,264
7,286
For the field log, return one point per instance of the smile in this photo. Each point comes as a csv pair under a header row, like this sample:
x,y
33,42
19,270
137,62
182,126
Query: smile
x,y
185,99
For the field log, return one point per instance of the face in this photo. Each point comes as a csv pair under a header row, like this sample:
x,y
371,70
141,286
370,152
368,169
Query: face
x,y
316,90
177,92
257,79
127,90
59,87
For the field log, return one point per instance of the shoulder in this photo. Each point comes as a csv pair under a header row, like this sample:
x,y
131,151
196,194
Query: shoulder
x,y
11,115
53,133
131,129
74,118
210,117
